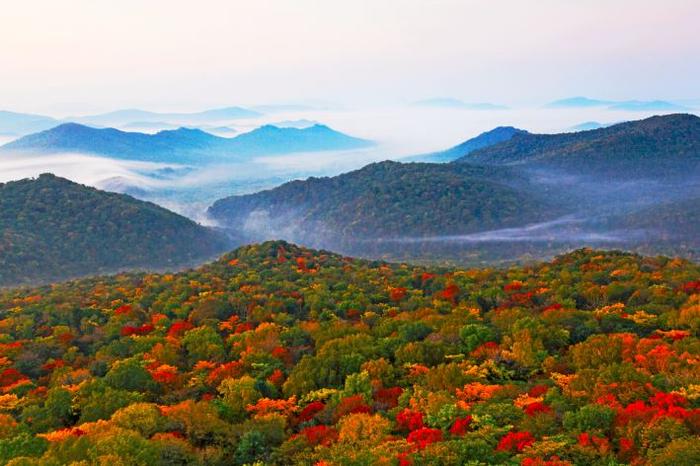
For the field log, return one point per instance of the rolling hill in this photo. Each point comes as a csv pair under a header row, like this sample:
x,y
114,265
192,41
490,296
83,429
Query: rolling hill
x,y
627,186
183,145
281,355
653,147
54,229
386,200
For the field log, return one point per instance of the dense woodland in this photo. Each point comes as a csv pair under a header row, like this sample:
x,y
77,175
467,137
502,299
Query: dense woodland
x,y
631,186
666,145
279,355
389,200
53,229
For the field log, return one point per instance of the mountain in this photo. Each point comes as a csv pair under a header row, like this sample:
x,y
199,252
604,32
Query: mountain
x,y
281,355
578,102
447,102
148,127
385,200
485,139
122,117
54,229
183,145
177,146
588,125
269,140
653,147
532,195
627,105
18,124
648,106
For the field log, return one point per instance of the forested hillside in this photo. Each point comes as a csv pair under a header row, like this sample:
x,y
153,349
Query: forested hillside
x,y
650,148
281,355
632,186
387,200
54,229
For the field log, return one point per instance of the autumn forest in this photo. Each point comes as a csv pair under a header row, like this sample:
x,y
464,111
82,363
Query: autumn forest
x,y
279,355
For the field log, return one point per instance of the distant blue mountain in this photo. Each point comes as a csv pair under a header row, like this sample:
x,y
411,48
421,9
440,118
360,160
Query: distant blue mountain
x,y
587,126
486,139
651,106
18,124
448,102
121,117
628,105
188,146
578,102
270,139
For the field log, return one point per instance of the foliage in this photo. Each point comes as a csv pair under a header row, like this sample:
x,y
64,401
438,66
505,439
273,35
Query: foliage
x,y
281,355
53,229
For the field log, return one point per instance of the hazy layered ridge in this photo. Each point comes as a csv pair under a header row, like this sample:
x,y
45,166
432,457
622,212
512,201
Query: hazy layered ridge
x,y
191,146
556,192
646,148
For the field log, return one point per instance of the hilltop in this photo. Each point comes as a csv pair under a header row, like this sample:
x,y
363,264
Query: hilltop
x,y
282,355
53,229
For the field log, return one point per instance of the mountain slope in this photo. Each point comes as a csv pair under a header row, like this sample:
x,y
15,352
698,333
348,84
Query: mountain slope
x,y
485,139
53,229
659,145
17,124
578,102
182,145
269,139
281,355
385,200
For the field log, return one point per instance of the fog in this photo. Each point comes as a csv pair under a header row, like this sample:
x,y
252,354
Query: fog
x,y
565,229
399,131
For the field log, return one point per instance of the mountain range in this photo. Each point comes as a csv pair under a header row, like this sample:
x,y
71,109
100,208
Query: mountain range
x,y
125,116
21,124
183,145
386,200
626,105
646,148
532,193
53,229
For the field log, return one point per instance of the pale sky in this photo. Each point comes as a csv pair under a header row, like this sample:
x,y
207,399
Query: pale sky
x,y
68,56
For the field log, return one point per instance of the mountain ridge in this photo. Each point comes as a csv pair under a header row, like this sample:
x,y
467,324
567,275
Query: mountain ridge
x,y
659,142
183,145
484,139
54,229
